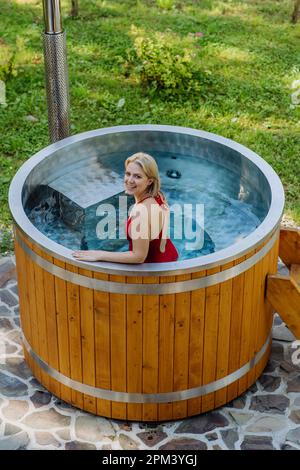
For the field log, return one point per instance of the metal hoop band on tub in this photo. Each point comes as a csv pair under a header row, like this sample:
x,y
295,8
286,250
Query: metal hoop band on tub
x,y
167,397
146,289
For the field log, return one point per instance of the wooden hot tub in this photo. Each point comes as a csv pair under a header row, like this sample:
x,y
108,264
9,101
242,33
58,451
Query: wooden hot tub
x,y
146,342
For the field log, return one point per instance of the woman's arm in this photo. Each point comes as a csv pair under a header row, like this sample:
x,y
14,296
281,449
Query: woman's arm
x,y
140,248
140,241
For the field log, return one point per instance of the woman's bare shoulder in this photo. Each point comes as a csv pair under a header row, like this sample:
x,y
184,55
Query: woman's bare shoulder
x,y
146,203
142,207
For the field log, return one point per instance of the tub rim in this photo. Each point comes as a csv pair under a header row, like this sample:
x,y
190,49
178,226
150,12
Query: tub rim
x,y
218,258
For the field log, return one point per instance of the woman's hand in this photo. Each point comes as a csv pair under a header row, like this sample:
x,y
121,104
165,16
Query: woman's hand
x,y
88,255
137,255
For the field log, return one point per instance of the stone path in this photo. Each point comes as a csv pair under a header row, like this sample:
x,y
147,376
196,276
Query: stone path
x,y
265,417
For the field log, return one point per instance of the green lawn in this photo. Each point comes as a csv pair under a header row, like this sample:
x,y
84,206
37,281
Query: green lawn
x,y
248,59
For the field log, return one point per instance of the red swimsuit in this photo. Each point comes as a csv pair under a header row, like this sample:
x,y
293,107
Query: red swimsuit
x,y
154,254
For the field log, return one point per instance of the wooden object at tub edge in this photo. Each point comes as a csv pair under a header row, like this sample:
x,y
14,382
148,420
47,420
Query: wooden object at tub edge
x,y
283,293
289,246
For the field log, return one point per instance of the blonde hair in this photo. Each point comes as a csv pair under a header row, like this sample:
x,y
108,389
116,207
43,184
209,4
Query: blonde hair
x,y
150,168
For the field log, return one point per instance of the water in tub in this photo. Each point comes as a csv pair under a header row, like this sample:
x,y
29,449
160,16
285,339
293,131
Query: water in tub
x,y
71,210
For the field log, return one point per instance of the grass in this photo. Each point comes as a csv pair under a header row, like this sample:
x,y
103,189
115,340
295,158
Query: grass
x,y
248,58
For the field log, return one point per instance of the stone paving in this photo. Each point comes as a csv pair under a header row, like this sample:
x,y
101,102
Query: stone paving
x,y
265,417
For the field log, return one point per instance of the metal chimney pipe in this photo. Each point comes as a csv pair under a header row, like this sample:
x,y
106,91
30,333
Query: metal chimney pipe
x,y
52,16
56,70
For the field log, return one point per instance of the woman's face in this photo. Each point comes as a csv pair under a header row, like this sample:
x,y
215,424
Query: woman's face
x,y
135,180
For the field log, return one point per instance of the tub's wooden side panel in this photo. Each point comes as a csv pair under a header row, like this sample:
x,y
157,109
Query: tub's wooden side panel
x,y
273,258
63,330
196,350
74,322
102,319
150,350
235,330
87,327
166,348
266,310
52,337
21,261
212,301
41,318
118,348
256,305
264,313
273,267
145,344
32,310
263,309
249,318
38,313
181,346
223,341
51,325
247,326
134,365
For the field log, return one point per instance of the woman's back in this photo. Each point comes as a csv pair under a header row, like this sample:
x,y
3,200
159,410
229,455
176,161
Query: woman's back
x,y
160,250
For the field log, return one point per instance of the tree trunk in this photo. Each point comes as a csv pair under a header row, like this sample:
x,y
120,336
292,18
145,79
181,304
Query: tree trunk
x,y
296,11
74,8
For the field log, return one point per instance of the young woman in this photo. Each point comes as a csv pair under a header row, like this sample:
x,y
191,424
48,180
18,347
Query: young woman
x,y
147,225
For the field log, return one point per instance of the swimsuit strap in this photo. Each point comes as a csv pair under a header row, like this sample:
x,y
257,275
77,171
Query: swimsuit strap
x,y
159,200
